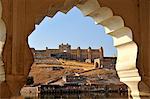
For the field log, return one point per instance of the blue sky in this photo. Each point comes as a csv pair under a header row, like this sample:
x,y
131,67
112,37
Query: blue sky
x,y
72,28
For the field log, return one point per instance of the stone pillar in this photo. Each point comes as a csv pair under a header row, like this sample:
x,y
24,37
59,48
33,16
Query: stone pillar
x,y
20,17
139,21
17,55
143,62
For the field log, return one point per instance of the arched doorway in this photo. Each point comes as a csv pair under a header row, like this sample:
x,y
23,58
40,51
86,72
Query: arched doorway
x,y
96,65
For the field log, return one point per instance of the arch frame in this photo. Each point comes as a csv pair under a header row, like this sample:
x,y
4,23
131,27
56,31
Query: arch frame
x,y
125,40
122,36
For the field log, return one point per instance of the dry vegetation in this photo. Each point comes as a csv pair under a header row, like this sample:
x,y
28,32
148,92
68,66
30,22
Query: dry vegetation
x,y
43,73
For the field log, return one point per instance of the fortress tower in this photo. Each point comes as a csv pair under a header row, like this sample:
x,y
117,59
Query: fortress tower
x,y
65,48
89,53
78,53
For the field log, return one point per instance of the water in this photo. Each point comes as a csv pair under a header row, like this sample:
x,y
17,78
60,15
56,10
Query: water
x,y
91,95
84,95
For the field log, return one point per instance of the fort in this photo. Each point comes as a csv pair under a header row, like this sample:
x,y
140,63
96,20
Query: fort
x,y
65,51
94,56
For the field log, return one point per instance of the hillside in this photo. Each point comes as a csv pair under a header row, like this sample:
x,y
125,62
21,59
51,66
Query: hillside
x,y
43,72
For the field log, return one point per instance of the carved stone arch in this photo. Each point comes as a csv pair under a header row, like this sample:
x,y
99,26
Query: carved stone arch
x,y
114,26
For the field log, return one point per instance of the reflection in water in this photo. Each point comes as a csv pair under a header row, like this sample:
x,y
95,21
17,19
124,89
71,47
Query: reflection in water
x,y
91,95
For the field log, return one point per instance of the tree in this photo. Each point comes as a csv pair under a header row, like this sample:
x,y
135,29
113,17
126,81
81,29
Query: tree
x,y
29,80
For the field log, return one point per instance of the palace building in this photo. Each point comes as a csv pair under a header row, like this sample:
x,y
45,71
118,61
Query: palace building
x,y
65,51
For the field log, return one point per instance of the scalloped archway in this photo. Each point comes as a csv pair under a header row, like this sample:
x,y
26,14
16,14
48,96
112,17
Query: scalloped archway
x,y
122,37
114,26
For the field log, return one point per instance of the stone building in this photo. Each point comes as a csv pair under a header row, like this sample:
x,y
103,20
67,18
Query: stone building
x,y
105,62
65,51
109,62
